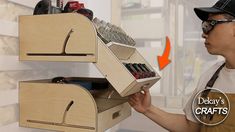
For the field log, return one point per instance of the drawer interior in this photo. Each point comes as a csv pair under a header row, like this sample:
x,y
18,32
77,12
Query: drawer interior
x,y
104,94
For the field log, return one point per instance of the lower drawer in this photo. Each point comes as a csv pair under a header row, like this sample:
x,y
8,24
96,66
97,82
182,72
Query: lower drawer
x,y
110,117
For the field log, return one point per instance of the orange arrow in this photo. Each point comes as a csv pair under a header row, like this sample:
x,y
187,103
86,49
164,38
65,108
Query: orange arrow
x,y
163,60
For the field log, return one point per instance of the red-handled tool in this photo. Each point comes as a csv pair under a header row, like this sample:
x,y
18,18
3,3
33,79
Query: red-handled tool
x,y
75,6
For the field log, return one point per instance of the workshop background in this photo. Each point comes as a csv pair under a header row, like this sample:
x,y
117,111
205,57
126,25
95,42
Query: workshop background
x,y
147,21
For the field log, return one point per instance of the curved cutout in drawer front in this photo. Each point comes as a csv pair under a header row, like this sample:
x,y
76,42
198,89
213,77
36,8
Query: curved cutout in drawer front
x,y
116,73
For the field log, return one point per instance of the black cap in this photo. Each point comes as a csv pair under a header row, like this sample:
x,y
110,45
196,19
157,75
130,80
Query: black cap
x,y
222,6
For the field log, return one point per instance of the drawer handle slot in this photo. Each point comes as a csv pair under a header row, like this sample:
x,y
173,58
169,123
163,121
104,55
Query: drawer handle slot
x,y
145,86
116,114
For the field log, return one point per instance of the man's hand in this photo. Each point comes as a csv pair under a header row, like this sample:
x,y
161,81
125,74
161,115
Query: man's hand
x,y
141,101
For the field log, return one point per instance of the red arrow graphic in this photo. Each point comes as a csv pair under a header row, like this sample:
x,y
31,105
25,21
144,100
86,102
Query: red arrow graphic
x,y
163,60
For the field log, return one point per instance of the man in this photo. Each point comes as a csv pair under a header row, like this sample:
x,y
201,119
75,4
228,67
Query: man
x,y
218,25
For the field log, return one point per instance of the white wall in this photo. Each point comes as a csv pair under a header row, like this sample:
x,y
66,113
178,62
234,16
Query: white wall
x,y
12,71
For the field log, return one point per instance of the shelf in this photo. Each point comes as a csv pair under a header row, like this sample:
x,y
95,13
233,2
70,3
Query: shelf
x,y
141,11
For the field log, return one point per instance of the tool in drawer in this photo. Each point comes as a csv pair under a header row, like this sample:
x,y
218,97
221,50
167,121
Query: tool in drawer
x,y
75,6
45,7
94,87
112,33
139,71
86,83
133,71
42,7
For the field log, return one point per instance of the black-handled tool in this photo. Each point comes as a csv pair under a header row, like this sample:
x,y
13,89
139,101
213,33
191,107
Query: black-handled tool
x,y
42,7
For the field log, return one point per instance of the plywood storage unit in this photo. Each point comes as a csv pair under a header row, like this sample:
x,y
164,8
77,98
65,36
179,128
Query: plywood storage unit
x,y
72,107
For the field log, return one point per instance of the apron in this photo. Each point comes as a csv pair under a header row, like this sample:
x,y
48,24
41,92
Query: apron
x,y
228,125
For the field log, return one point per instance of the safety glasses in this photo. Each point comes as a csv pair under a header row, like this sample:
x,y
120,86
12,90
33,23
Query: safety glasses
x,y
208,25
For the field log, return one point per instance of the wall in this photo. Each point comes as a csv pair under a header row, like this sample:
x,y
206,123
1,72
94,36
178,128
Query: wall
x,y
12,71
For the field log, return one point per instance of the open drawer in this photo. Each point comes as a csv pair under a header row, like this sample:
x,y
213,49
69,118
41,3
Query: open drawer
x,y
110,61
70,107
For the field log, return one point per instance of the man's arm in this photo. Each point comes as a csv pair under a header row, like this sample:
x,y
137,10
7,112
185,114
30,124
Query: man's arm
x,y
171,122
141,102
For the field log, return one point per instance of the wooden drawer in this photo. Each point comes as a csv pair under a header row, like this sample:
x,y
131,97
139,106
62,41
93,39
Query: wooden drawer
x,y
69,107
110,63
112,116
50,38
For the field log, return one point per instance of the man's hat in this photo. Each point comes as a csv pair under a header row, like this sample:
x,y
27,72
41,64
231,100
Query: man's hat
x,y
222,6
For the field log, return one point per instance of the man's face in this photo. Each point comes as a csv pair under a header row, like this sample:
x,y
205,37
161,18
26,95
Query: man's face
x,y
221,39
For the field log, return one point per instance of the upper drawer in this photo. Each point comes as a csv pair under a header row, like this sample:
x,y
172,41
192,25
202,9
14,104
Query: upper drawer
x,y
58,37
